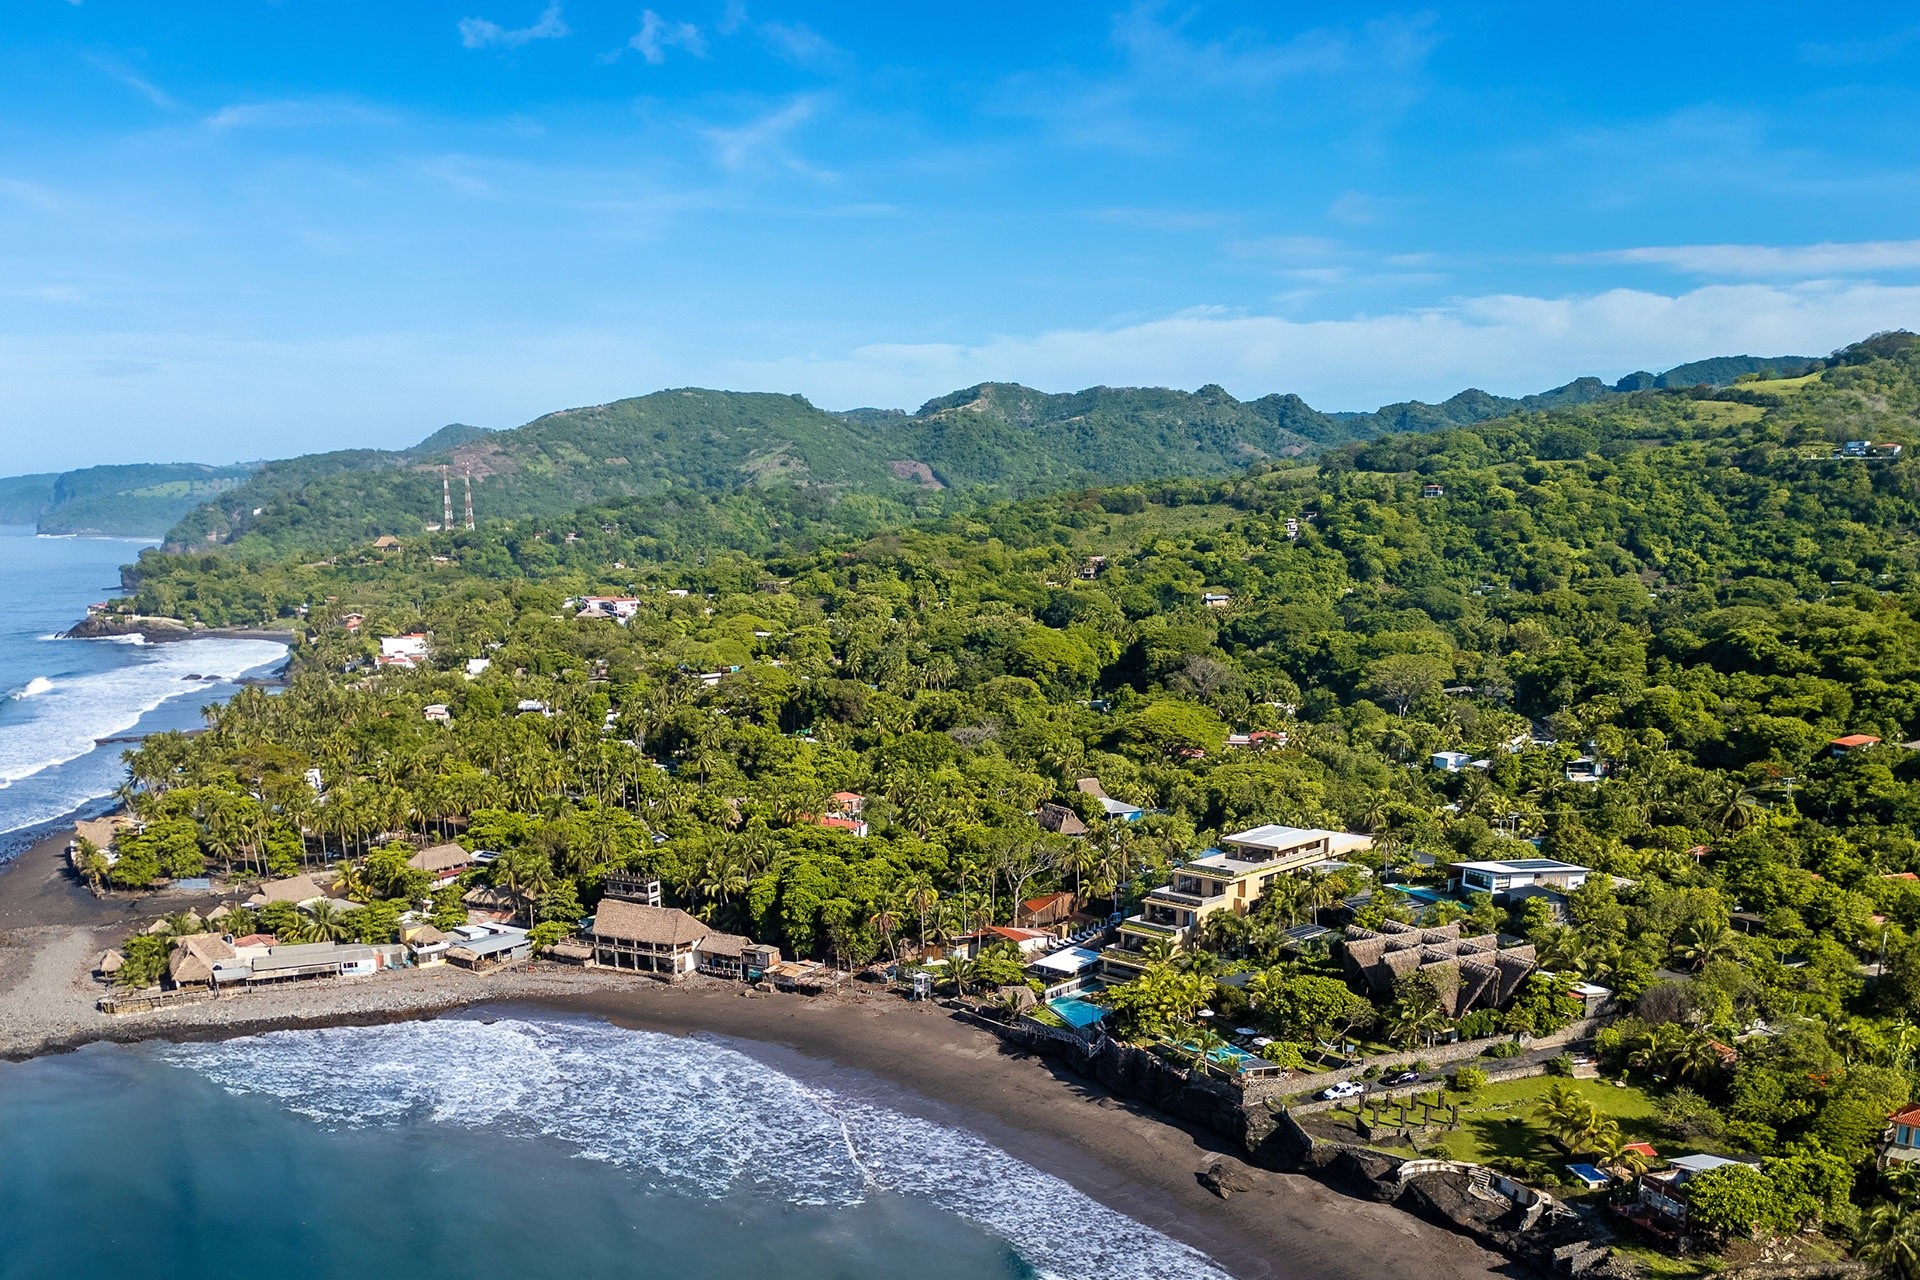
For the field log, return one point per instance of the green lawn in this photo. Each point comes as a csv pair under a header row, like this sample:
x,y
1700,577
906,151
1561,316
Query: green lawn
x,y
1656,1265
1500,1124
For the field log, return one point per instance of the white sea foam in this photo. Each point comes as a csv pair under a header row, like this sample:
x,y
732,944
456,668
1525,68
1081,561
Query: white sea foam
x,y
689,1116
59,719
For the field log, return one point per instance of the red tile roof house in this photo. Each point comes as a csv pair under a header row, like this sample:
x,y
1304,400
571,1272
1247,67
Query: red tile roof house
x,y
1048,909
1903,1137
1029,941
1852,742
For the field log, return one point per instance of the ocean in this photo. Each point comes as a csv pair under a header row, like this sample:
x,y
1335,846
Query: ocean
x,y
517,1147
57,697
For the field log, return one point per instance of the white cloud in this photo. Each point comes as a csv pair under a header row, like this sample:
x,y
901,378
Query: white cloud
x,y
224,396
134,81
294,113
1348,74
800,44
1510,344
1248,63
480,33
33,195
1830,258
658,34
761,143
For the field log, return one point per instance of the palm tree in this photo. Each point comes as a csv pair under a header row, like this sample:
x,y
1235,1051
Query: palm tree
x,y
720,876
961,972
1736,808
1204,1043
1696,1057
1318,889
1411,1022
885,921
1287,893
1562,951
1654,1050
1570,1119
1703,942
1620,1154
921,897
324,922
1889,1240
91,864
1157,950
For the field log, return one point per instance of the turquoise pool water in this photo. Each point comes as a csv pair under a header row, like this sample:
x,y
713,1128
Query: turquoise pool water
x,y
1077,1014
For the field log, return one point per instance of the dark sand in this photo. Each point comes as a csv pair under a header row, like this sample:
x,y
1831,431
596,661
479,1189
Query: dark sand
x,y
920,1058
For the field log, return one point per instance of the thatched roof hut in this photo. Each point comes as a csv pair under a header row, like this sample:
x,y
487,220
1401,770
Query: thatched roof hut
x,y
441,858
193,958
294,889
656,926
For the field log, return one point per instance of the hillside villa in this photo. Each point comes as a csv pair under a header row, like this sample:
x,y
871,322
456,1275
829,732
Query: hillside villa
x,y
1502,877
1229,878
406,652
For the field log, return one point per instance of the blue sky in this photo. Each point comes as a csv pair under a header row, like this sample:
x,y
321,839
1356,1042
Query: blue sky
x,y
251,229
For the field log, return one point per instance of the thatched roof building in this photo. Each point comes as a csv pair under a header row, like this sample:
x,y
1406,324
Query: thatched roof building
x,y
1469,973
633,935
441,860
1059,819
192,961
294,889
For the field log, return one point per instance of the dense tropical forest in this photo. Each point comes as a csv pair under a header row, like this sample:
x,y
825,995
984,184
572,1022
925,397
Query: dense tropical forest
x,y
1700,588
993,440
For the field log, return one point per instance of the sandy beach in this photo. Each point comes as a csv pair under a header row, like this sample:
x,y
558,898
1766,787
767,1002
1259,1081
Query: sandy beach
x,y
921,1058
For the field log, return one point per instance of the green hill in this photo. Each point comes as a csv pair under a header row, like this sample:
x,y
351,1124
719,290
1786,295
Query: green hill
x,y
140,500
990,439
23,498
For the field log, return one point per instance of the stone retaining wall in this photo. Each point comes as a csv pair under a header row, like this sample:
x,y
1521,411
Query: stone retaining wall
x,y
1439,1055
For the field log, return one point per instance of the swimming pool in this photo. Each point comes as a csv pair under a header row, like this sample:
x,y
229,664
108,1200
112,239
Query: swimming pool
x,y
1077,1014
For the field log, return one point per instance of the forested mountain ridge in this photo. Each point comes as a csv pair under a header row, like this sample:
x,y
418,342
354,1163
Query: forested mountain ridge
x,y
129,500
994,438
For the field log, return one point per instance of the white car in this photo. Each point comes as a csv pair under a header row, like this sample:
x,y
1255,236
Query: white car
x,y
1345,1089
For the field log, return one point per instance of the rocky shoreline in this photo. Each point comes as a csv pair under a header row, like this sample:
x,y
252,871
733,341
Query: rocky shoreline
x,y
159,630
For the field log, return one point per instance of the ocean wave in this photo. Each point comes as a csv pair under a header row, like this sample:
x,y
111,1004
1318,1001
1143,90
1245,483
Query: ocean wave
x,y
689,1116
60,720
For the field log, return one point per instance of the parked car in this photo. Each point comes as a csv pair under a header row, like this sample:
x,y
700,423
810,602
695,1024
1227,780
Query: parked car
x,y
1404,1077
1345,1089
